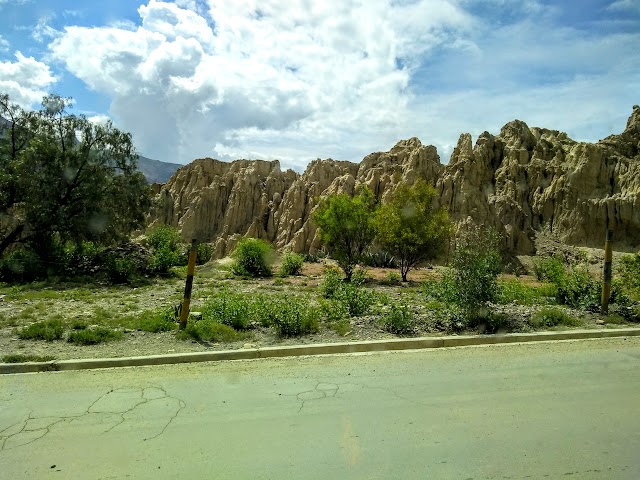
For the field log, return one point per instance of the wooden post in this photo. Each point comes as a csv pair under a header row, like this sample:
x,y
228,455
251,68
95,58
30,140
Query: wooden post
x,y
606,273
191,267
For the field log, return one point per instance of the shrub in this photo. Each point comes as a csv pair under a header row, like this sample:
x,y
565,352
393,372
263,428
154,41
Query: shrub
x,y
157,321
578,289
443,290
22,265
211,331
494,322
379,260
204,253
334,310
228,308
399,320
48,330
164,235
291,264
93,336
514,291
551,269
164,257
476,265
294,317
314,257
18,358
551,317
331,282
392,278
356,298
119,270
252,257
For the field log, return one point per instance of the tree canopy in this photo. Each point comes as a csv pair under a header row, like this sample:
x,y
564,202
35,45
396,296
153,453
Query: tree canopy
x,y
64,176
410,227
346,226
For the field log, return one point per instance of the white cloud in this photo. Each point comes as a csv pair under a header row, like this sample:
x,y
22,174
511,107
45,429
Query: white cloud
x,y
296,79
625,5
325,75
25,80
4,44
99,119
42,30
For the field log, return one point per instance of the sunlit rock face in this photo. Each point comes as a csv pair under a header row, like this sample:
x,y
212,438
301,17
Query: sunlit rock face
x,y
517,181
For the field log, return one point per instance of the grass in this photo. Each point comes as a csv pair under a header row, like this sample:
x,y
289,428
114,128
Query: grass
x,y
18,358
515,291
211,331
552,317
48,330
93,336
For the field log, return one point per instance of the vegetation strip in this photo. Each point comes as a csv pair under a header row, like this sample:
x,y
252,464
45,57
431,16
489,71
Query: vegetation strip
x,y
313,349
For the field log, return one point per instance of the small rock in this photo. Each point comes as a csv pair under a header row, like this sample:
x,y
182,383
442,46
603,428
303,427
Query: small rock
x,y
599,322
128,330
249,345
196,315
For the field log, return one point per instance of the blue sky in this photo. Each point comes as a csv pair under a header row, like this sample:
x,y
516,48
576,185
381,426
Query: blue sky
x,y
298,79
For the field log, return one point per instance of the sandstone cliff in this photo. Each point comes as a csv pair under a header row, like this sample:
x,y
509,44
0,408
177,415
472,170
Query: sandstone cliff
x,y
517,181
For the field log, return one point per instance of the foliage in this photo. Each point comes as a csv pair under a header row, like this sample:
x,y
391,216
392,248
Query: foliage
x,y
378,259
66,177
163,235
399,320
291,264
514,291
19,358
331,282
352,295
334,310
48,330
476,264
410,228
157,320
493,322
578,289
228,308
392,278
252,257
93,336
551,317
119,269
204,254
314,257
167,247
22,265
629,274
211,331
346,226
551,269
292,317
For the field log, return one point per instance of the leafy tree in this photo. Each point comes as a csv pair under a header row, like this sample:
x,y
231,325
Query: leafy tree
x,y
63,177
410,228
346,226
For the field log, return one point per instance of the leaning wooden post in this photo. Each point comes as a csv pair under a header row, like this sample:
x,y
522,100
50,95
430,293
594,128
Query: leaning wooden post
x,y
606,281
191,267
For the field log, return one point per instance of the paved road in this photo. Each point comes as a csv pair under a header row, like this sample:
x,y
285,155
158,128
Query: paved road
x,y
542,411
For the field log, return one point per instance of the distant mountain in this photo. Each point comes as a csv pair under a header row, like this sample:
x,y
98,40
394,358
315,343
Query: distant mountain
x,y
156,171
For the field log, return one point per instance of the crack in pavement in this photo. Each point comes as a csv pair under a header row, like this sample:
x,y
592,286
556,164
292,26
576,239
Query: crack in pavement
x,y
34,428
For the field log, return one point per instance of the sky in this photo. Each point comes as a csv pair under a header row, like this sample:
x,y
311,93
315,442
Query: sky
x,y
297,80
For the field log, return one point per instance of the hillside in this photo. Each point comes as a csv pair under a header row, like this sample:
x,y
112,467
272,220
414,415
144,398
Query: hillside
x,y
518,181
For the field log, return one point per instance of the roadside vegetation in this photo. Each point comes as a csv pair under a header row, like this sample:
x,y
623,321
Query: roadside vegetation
x,y
92,275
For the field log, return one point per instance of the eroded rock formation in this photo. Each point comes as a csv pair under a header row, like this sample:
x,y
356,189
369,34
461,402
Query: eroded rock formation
x,y
517,181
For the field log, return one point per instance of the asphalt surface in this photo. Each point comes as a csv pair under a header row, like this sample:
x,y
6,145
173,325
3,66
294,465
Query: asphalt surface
x,y
541,411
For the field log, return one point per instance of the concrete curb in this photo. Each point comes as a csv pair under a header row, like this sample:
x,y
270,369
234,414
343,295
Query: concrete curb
x,y
314,349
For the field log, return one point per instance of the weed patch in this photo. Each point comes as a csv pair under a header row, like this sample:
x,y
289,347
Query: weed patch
x,y
93,336
552,317
211,331
48,330
399,320
18,358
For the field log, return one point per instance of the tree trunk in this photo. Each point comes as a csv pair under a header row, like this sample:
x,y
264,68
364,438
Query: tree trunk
x,y
11,238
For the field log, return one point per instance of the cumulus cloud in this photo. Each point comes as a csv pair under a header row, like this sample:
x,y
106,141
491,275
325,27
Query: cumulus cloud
x,y
326,75
296,79
26,80
4,44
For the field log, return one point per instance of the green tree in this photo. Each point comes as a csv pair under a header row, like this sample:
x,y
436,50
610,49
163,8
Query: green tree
x,y
64,177
346,226
410,228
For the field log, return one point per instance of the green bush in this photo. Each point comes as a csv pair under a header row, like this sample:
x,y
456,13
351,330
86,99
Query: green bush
x,y
551,317
331,282
18,358
476,264
379,260
119,269
515,291
164,235
204,253
211,331
392,278
252,257
164,257
291,264
578,289
228,308
334,310
48,330
294,317
157,320
443,290
21,266
399,320
93,336
550,269
494,322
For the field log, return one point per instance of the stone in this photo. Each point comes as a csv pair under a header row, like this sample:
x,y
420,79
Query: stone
x,y
521,181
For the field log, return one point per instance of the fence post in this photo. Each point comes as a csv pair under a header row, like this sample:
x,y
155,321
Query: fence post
x,y
191,267
606,274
